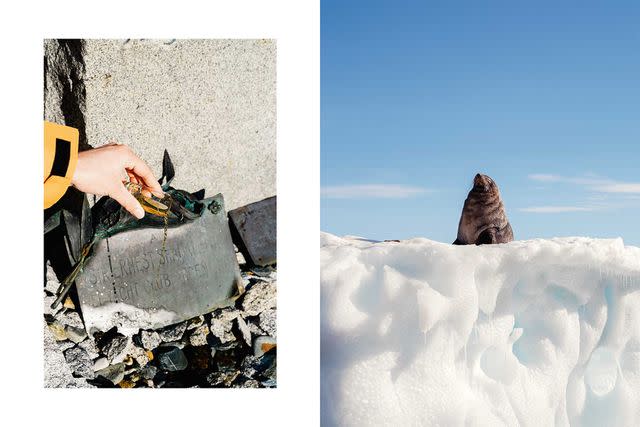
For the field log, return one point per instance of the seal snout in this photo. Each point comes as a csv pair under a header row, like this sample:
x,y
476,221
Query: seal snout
x,y
481,182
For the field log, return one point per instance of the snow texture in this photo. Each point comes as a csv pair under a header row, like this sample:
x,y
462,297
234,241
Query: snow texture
x,y
129,319
531,333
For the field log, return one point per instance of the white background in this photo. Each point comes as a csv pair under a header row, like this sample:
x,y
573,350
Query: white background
x,y
296,26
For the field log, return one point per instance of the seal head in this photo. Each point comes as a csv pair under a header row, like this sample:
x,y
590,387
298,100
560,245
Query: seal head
x,y
483,219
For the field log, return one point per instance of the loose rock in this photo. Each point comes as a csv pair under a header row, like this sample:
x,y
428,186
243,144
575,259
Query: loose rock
x,y
195,322
90,347
148,372
259,297
57,330
100,364
80,362
76,335
222,378
267,322
68,303
173,332
244,330
70,318
199,336
140,355
222,324
255,329
172,359
116,348
263,344
113,373
150,339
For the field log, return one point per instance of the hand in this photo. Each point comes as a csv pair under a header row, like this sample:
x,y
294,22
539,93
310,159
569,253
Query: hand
x,y
104,170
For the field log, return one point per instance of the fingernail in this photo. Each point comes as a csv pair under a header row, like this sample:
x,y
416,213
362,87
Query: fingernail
x,y
139,213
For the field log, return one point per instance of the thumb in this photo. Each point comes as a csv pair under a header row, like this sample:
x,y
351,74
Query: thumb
x,y
126,199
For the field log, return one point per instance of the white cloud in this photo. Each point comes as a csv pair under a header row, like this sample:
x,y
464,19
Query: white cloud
x,y
619,187
371,191
590,180
556,209
543,177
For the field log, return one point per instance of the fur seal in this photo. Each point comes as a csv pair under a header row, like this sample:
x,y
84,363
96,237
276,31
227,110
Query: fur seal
x,y
483,219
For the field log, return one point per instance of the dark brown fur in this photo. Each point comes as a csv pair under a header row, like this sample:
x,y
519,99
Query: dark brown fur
x,y
483,219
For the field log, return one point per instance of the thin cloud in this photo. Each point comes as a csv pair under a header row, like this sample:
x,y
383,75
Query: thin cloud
x,y
371,191
543,177
592,180
619,187
555,209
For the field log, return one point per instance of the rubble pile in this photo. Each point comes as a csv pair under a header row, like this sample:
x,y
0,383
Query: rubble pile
x,y
230,347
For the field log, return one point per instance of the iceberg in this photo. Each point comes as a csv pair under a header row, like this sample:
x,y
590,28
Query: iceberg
x,y
530,333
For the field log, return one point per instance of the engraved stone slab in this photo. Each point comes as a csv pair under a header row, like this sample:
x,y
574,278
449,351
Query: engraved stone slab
x,y
130,282
254,229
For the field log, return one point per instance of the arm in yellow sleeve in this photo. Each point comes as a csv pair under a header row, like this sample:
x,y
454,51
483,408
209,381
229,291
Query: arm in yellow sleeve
x,y
60,158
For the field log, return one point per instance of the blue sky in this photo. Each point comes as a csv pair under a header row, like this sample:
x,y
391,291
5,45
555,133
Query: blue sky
x,y
417,97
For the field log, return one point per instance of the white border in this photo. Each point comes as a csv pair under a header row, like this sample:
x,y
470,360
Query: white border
x,y
296,26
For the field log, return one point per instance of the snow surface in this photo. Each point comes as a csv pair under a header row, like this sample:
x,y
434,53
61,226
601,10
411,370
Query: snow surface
x,y
127,318
531,333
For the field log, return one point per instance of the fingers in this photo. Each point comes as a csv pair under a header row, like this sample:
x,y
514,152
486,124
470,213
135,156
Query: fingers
x,y
132,177
142,170
122,196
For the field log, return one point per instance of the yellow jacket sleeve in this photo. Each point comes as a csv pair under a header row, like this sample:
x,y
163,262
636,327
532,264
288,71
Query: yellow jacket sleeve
x,y
60,158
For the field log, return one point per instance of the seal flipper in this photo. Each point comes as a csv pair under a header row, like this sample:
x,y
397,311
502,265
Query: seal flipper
x,y
457,242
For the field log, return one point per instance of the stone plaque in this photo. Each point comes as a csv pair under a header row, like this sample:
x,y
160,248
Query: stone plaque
x,y
254,230
133,283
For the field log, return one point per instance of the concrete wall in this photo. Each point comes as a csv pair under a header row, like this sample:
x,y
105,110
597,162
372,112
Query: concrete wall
x,y
211,103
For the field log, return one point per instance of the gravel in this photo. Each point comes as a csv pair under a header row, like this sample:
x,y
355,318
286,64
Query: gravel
x,y
224,348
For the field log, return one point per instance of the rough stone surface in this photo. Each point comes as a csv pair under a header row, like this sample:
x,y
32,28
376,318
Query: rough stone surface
x,y
259,297
47,310
252,323
173,332
100,363
64,88
76,335
173,359
254,229
195,322
71,318
139,355
148,372
57,331
90,347
116,348
113,373
196,357
150,339
267,322
199,335
214,99
222,324
79,362
57,372
244,330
